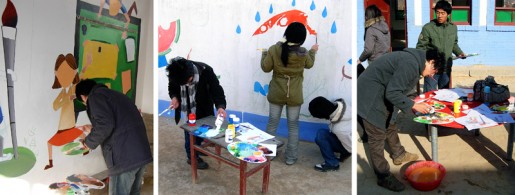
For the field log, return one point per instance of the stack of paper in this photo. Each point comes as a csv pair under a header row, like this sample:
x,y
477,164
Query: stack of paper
x,y
251,134
447,95
475,120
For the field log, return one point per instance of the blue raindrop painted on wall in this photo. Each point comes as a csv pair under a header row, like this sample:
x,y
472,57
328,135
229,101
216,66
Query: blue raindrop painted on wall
x,y
238,29
324,13
333,27
350,61
1,116
258,17
258,88
293,3
312,7
271,10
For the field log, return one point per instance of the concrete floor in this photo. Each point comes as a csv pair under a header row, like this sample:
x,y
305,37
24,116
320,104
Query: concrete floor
x,y
474,164
300,178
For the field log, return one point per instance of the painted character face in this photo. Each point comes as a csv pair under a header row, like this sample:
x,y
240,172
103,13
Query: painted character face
x,y
65,74
441,16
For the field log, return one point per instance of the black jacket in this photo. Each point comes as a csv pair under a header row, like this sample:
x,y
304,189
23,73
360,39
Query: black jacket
x,y
209,92
118,127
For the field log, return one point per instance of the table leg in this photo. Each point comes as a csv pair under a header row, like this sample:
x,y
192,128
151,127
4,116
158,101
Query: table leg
x,y
428,130
193,159
243,177
477,132
266,177
434,142
218,152
510,142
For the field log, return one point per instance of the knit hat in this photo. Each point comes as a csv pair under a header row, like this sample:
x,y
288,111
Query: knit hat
x,y
180,70
295,33
320,107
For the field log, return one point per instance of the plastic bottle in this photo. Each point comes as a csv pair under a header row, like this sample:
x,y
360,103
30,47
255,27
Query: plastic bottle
x,y
236,122
229,133
219,121
486,95
457,106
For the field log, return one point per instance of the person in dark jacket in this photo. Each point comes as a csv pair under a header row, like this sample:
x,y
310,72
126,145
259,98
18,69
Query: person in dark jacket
x,y
442,35
383,86
116,125
194,88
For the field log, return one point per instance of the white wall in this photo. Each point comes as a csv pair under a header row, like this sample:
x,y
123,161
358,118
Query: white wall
x,y
208,28
46,29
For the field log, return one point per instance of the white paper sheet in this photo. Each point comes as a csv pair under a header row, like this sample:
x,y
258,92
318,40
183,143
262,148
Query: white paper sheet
x,y
251,134
447,95
475,120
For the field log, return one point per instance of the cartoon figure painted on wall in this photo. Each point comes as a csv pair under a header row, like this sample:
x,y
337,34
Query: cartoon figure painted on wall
x,y
114,7
66,77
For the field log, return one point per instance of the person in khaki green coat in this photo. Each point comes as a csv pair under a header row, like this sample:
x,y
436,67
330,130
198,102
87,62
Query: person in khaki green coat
x,y
288,60
442,35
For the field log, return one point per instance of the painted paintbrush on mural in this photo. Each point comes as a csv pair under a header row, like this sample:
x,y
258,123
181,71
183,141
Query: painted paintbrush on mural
x,y
9,21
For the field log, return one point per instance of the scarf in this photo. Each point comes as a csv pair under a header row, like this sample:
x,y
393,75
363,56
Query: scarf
x,y
188,91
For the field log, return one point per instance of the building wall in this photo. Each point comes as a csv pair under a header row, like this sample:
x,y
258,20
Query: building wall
x,y
482,36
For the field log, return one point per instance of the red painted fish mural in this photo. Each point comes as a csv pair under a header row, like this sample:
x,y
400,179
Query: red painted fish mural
x,y
284,19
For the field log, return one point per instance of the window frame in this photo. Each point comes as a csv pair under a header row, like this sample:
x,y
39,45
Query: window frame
x,y
469,8
512,9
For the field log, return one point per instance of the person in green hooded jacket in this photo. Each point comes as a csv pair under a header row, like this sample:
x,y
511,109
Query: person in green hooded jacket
x,y
288,60
442,35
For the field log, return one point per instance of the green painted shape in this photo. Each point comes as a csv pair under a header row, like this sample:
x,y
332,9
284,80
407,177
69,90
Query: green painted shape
x,y
112,36
17,167
69,147
503,16
460,15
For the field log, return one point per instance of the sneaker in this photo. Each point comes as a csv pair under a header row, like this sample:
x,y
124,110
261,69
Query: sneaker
x,y
200,163
291,161
391,183
325,167
406,157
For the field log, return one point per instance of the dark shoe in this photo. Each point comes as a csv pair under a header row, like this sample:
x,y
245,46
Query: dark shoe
x,y
200,163
344,156
406,157
391,183
324,167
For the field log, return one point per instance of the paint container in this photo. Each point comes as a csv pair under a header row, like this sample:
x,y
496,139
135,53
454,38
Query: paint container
x,y
229,133
457,107
219,121
236,123
192,119
470,97
231,117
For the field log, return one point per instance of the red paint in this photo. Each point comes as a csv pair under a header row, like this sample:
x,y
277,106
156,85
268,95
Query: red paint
x,y
192,119
284,19
167,36
10,17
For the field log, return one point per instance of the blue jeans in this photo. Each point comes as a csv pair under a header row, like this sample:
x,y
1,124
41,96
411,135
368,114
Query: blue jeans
x,y
127,183
441,81
292,114
329,144
198,141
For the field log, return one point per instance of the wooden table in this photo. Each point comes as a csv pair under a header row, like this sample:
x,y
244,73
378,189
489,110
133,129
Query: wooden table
x,y
218,144
433,130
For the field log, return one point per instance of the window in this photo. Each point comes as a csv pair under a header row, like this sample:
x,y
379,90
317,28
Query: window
x,y
504,12
461,11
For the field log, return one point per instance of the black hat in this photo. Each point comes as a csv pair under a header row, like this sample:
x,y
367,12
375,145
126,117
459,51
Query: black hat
x,y
295,33
320,107
180,70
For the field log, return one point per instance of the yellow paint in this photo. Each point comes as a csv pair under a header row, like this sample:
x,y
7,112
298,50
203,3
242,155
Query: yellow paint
x,y
99,60
114,7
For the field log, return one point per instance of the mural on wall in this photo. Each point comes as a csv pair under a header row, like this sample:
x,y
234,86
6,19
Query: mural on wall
x,y
66,76
228,43
165,38
107,45
17,160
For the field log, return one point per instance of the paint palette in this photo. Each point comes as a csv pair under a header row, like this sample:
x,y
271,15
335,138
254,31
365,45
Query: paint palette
x,y
437,105
73,148
436,118
252,153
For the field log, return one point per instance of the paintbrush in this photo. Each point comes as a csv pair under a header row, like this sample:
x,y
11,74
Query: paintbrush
x,y
164,111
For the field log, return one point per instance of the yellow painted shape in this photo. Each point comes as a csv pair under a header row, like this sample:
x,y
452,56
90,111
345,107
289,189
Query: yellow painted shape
x,y
126,81
114,7
99,60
